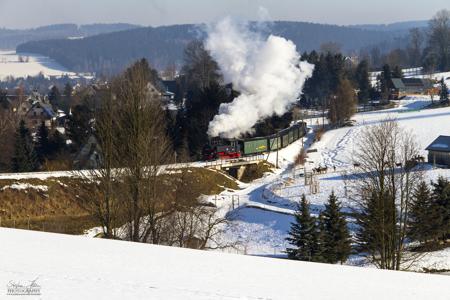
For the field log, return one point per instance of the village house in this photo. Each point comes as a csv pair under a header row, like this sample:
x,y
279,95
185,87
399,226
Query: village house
x,y
439,151
407,86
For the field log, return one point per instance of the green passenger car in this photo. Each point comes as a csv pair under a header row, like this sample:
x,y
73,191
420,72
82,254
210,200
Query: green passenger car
x,y
255,146
285,140
274,143
291,136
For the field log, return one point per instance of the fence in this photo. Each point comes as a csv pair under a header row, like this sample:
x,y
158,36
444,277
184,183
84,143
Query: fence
x,y
221,162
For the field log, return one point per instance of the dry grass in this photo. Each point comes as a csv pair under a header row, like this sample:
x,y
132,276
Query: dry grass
x,y
300,159
55,210
318,134
253,172
60,209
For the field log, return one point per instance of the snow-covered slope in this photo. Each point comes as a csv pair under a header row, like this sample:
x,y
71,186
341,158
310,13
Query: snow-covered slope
x,y
71,267
10,66
262,220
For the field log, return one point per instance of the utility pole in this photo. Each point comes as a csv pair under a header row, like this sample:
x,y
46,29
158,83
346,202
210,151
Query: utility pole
x,y
278,147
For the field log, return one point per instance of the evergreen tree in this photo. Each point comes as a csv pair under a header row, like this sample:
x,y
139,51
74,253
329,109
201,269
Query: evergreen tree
x,y
336,238
65,105
362,80
303,235
24,159
319,241
444,91
201,109
43,147
78,125
423,219
57,142
54,96
4,103
441,202
397,72
375,218
385,81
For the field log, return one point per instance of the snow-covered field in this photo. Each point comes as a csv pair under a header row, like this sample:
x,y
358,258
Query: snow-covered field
x,y
74,267
438,76
263,217
10,66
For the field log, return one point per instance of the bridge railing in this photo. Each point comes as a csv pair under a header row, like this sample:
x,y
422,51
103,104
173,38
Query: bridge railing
x,y
220,162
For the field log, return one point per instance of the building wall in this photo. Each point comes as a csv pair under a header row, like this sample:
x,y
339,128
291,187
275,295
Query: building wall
x,y
439,158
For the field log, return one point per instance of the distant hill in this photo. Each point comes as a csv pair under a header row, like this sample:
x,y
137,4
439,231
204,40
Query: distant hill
x,y
112,52
398,26
10,38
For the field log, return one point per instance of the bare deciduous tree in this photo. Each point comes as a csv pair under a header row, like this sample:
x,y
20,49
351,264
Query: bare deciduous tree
x,y
382,190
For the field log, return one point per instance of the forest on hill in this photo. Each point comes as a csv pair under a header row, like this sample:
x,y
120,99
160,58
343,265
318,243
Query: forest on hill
x,y
11,38
163,46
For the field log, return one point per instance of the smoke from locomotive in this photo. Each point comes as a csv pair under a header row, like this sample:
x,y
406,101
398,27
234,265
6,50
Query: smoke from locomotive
x,y
266,72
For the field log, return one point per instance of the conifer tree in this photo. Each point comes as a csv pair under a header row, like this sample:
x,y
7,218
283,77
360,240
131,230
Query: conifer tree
x,y
54,97
24,159
444,91
78,125
441,203
397,72
43,147
319,241
423,221
336,238
385,82
65,105
57,143
362,80
303,234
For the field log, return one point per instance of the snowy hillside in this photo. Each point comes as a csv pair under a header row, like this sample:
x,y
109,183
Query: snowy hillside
x,y
70,267
264,214
10,66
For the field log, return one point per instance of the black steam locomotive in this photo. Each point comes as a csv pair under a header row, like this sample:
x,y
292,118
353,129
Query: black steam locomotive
x,y
230,149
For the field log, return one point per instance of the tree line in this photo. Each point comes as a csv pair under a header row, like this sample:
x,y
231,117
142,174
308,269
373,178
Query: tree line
x,y
424,46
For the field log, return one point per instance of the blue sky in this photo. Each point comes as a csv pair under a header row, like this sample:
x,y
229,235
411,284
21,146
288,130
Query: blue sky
x,y
31,13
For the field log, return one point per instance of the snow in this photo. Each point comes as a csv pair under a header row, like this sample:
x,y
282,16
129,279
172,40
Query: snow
x,y
261,212
71,267
266,206
439,146
24,187
10,65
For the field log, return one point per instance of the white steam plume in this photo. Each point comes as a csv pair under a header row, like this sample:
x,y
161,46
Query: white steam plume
x,y
267,72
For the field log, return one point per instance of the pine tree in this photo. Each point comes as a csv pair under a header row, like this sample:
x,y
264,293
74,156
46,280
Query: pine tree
x,y
362,79
24,159
57,142
43,147
385,80
303,234
65,105
54,97
444,91
78,125
336,243
319,241
423,221
397,72
441,203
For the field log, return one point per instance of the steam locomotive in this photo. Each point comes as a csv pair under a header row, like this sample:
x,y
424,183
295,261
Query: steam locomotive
x,y
236,148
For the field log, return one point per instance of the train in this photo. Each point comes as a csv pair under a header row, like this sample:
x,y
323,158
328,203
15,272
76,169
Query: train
x,y
236,148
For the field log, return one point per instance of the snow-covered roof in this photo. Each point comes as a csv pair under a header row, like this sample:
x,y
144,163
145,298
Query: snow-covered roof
x,y
441,144
76,267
